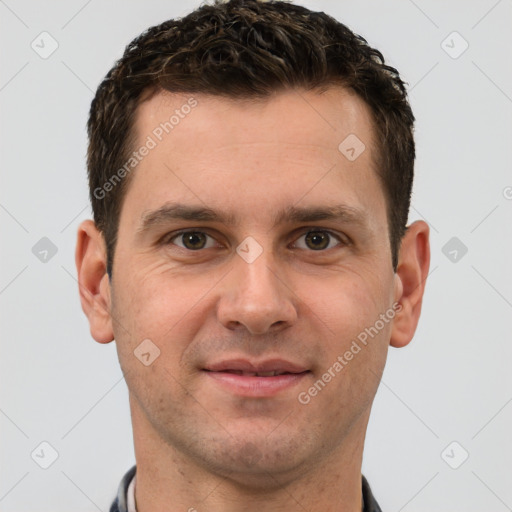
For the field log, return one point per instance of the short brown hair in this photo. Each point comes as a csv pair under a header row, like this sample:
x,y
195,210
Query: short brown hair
x,y
248,49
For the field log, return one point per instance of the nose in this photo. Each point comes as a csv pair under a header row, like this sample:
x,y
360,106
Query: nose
x,y
257,296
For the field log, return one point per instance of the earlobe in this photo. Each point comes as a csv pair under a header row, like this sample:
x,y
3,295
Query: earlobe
x,y
93,281
411,273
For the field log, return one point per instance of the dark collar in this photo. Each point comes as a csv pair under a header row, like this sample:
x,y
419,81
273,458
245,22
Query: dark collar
x,y
120,505
369,502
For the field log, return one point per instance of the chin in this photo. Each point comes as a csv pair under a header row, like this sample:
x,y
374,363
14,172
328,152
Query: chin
x,y
259,462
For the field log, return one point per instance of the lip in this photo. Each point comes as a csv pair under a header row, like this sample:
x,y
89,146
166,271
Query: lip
x,y
269,365
253,385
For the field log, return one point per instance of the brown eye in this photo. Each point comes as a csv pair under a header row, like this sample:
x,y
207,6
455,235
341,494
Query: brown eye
x,y
318,240
191,240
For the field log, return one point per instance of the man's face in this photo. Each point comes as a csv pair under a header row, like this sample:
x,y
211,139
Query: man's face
x,y
258,292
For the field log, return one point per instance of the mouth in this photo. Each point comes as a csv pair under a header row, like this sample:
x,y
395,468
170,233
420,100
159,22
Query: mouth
x,y
251,379
259,374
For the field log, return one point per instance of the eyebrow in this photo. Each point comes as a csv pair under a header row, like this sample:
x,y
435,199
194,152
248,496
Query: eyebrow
x,y
292,214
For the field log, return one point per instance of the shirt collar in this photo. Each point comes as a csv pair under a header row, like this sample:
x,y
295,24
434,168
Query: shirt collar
x,y
130,496
125,500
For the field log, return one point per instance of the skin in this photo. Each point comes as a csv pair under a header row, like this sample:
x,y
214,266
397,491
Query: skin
x,y
198,445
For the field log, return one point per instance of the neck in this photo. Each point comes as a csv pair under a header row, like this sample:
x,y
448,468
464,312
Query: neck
x,y
169,480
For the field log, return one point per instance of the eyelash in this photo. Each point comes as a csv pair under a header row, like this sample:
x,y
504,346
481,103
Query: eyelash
x,y
167,240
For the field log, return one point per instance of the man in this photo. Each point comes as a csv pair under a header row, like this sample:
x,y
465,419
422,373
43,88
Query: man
x,y
250,172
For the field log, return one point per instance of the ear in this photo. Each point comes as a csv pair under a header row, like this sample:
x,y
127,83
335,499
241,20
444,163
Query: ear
x,y
411,274
93,281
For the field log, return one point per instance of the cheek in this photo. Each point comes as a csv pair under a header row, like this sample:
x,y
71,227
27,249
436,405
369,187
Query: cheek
x,y
164,312
155,308
159,301
349,312
346,303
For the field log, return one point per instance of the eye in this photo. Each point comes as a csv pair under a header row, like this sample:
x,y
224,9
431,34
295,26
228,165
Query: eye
x,y
191,240
319,240
314,239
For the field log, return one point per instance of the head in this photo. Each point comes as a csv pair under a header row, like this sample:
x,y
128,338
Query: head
x,y
233,221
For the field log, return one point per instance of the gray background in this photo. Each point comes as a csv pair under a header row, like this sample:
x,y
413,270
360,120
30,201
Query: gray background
x,y
452,383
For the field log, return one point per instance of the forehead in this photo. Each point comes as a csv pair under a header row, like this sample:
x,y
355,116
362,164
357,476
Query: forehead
x,y
292,115
206,147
